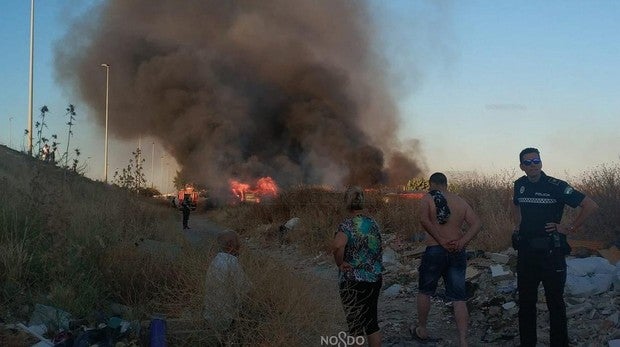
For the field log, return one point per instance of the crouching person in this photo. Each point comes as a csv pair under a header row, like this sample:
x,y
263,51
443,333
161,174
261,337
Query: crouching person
x,y
226,285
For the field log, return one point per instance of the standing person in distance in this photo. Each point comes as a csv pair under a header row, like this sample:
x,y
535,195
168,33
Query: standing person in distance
x,y
358,254
442,215
540,239
185,208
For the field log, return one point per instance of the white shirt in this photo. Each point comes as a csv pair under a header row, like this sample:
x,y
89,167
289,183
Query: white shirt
x,y
226,284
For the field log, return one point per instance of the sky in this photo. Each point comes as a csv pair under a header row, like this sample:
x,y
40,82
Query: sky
x,y
475,82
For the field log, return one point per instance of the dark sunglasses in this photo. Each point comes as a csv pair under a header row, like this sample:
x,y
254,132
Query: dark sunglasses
x,y
529,162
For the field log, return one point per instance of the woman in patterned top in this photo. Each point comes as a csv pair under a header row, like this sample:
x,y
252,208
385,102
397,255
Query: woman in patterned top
x,y
358,255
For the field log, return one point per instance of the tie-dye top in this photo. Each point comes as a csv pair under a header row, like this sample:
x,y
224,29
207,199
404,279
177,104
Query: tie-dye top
x,y
363,249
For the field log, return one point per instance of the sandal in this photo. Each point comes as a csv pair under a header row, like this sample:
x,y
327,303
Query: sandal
x,y
416,336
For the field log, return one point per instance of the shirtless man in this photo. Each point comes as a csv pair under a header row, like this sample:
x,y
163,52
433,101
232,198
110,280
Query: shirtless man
x,y
442,215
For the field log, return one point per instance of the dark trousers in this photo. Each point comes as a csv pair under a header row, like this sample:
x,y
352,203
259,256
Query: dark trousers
x,y
185,219
550,269
360,301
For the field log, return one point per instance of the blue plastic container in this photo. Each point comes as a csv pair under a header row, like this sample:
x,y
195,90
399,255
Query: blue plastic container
x,y
158,332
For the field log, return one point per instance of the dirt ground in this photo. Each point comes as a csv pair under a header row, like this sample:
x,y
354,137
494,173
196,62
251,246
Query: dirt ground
x,y
396,313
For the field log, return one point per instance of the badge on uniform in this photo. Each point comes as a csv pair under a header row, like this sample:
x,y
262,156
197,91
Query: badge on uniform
x,y
568,190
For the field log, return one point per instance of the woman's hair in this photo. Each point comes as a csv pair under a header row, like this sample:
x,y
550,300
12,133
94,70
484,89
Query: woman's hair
x,y
354,198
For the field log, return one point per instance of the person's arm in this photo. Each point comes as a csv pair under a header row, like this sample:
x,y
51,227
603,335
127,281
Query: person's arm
x,y
474,223
340,241
587,208
516,210
428,212
516,217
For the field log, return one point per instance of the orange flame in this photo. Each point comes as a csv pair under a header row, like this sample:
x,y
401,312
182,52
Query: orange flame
x,y
265,186
239,189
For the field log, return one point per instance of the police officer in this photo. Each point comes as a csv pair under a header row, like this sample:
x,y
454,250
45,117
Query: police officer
x,y
540,238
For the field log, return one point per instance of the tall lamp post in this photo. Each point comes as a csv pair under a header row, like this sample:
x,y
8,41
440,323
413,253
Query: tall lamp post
x,y
153,165
10,132
161,172
30,82
107,102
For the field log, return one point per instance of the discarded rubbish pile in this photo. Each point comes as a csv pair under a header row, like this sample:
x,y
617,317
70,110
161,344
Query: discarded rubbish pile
x,y
50,326
492,291
592,296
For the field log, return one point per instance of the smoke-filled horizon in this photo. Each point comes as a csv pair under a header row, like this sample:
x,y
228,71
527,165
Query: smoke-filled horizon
x,y
244,89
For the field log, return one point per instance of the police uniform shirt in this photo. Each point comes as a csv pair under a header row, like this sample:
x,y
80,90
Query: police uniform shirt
x,y
543,202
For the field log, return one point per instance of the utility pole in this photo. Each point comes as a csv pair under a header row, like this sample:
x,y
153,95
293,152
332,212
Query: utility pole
x,y
168,172
30,82
107,101
139,159
10,132
153,166
161,173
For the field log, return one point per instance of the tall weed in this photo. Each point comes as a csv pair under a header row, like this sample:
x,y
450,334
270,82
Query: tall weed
x,y
603,185
69,242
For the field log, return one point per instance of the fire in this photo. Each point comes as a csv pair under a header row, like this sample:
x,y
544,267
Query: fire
x,y
239,189
391,197
415,196
264,187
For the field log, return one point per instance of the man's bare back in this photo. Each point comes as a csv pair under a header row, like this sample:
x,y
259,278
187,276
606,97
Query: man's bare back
x,y
451,231
442,214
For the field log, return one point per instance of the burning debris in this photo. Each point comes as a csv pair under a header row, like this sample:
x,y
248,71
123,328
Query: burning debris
x,y
244,89
265,187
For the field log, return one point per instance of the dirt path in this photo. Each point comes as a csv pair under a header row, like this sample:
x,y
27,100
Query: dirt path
x,y
201,229
396,313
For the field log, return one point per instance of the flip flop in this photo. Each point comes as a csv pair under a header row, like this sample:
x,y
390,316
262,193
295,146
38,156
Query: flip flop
x,y
417,337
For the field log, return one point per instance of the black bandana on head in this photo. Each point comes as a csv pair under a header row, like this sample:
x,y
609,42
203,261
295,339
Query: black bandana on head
x,y
443,211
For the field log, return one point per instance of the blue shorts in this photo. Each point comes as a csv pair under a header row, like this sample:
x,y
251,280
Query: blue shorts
x,y
438,262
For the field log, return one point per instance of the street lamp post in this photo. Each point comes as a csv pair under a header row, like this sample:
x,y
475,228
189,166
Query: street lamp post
x,y
161,173
168,172
107,101
153,165
30,82
10,132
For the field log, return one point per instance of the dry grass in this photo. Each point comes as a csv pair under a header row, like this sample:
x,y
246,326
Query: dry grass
x,y
603,185
491,199
54,229
320,211
286,308
68,242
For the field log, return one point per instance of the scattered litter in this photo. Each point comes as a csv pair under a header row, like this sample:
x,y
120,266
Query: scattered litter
x,y
498,271
499,257
36,332
509,305
393,290
389,256
588,276
53,318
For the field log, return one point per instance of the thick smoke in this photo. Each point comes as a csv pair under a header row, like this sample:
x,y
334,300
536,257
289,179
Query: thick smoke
x,y
244,89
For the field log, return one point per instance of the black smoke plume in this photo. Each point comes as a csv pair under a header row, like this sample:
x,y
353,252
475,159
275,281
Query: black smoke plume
x,y
244,89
